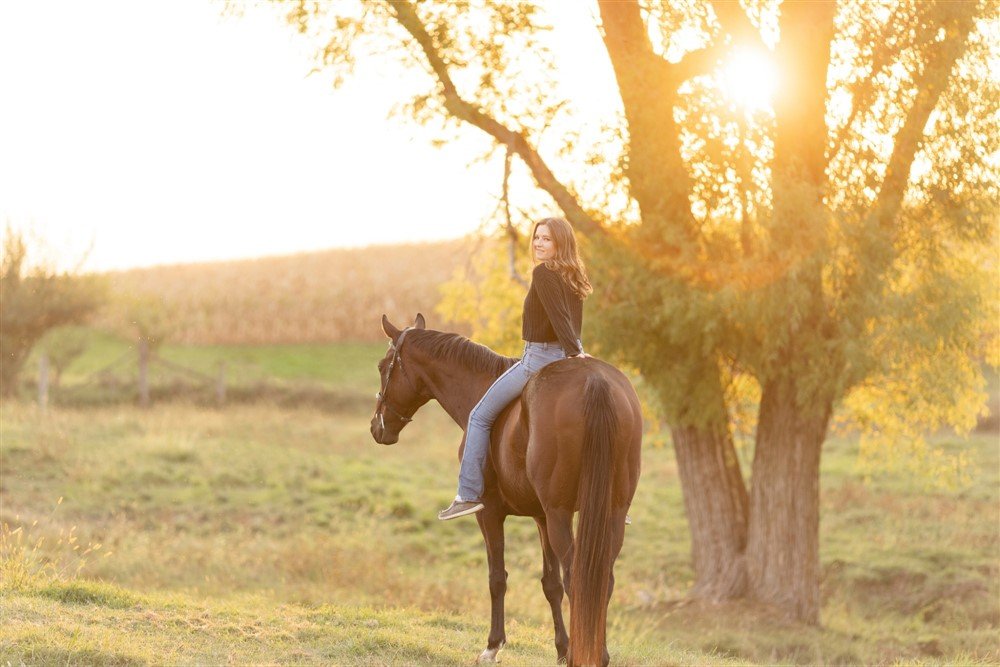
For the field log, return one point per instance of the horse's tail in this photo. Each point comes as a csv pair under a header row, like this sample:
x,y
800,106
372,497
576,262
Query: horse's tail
x,y
591,569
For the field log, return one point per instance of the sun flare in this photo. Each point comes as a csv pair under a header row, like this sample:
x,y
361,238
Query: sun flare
x,y
749,78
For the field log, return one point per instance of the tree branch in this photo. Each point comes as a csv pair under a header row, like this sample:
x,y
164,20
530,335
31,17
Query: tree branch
x,y
696,63
658,177
736,23
462,109
882,59
800,134
512,235
635,63
734,20
930,86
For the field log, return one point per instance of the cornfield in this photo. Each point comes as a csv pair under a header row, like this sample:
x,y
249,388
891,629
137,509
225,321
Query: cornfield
x,y
328,296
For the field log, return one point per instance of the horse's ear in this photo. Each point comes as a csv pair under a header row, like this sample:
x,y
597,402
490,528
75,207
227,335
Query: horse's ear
x,y
419,322
389,330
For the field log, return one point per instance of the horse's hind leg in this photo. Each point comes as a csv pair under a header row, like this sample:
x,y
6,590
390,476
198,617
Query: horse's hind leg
x,y
553,588
559,528
491,525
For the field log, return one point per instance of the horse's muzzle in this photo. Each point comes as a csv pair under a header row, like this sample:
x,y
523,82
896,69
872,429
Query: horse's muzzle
x,y
379,433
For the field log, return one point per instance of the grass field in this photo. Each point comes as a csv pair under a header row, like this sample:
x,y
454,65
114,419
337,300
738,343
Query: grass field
x,y
347,366
259,533
322,375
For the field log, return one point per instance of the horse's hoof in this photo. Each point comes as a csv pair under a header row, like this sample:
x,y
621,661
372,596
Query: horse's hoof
x,y
489,655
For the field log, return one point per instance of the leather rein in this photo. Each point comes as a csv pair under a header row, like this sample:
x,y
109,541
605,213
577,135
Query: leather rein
x,y
381,399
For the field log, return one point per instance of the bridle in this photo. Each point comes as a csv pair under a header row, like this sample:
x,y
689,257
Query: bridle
x,y
381,400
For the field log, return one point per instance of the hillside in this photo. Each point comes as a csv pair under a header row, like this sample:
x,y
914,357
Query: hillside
x,y
333,295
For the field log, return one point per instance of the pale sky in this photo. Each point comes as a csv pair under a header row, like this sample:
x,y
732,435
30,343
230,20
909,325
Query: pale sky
x,y
160,132
140,132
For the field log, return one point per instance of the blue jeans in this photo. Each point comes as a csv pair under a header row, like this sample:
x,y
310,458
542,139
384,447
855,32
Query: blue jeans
x,y
501,393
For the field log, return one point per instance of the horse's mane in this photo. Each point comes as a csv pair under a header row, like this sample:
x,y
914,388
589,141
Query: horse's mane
x,y
461,350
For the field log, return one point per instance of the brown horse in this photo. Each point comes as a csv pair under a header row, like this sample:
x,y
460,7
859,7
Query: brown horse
x,y
570,444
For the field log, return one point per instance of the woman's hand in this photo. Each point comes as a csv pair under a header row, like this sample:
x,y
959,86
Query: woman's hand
x,y
582,355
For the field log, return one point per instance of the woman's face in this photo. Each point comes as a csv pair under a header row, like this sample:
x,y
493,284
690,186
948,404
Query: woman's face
x,y
544,246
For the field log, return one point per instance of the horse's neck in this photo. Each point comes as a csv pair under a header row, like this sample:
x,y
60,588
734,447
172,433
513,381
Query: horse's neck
x,y
456,388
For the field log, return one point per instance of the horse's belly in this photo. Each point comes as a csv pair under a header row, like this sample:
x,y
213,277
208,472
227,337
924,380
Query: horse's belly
x,y
509,463
521,499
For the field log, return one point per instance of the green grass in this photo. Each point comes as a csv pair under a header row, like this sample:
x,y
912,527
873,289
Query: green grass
x,y
179,629
349,366
328,376
260,534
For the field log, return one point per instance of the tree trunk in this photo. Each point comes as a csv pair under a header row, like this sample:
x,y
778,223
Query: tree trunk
x,y
220,385
783,538
13,354
43,382
143,372
715,499
783,533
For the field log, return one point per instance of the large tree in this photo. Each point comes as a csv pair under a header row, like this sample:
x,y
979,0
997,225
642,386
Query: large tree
x,y
816,248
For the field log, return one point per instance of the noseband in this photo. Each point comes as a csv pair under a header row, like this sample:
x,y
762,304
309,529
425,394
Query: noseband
x,y
381,400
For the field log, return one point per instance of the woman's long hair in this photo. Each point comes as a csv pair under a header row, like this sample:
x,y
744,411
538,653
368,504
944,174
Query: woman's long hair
x,y
567,262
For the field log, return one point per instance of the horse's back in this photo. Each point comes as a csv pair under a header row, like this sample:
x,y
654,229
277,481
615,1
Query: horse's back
x,y
556,422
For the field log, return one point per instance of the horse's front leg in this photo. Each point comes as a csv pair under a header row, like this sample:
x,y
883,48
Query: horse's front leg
x,y
491,524
553,589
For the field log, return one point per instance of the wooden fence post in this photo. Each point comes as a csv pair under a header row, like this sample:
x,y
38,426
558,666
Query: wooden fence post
x,y
43,382
220,386
143,372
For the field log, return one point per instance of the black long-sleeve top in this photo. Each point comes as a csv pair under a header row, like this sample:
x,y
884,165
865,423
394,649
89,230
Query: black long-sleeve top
x,y
552,312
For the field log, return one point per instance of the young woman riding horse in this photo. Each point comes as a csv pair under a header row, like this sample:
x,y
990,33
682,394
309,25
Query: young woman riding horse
x,y
570,445
550,326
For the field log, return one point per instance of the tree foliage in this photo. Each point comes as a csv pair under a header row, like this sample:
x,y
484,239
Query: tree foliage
x,y
34,300
484,295
63,345
836,250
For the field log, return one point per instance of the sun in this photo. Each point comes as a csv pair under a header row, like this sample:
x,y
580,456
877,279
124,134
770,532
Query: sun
x,y
749,78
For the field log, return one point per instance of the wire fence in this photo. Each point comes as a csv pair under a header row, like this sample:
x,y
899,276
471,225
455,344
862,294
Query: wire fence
x,y
142,376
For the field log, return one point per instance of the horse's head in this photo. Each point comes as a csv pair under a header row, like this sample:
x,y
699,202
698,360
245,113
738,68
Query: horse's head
x,y
402,392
